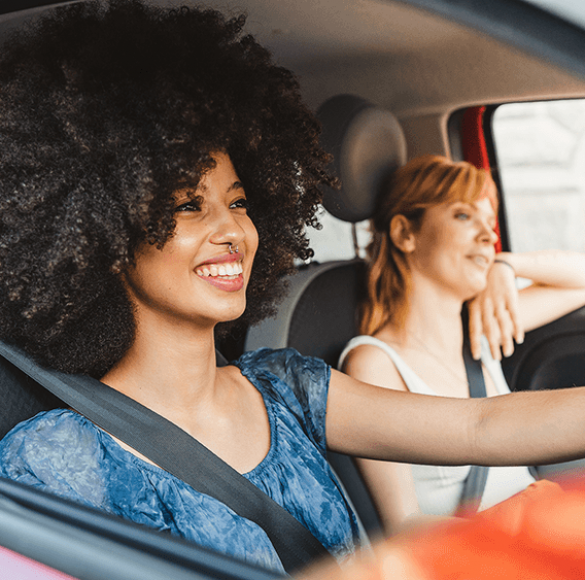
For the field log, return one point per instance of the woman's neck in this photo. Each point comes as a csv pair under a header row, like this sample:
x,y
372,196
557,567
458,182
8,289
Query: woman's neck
x,y
169,368
433,320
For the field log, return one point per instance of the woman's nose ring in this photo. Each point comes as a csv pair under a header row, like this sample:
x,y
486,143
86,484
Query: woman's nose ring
x,y
233,250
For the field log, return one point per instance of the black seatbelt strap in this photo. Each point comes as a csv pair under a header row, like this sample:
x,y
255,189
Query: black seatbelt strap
x,y
175,451
475,482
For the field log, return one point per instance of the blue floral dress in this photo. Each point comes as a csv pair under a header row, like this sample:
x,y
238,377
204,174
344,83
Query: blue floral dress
x,y
62,452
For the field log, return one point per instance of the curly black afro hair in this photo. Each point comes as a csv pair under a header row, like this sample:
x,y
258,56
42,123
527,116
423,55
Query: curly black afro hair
x,y
106,109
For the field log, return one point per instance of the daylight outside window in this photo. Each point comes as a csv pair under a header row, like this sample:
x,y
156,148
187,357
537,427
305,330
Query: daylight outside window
x,y
540,150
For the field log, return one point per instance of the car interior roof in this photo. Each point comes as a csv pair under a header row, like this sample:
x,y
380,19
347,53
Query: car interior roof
x,y
416,62
420,65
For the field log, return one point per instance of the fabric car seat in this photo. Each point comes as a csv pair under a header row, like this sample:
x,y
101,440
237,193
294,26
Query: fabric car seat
x,y
21,396
319,315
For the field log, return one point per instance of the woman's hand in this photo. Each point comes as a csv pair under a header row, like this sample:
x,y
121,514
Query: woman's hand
x,y
503,314
494,313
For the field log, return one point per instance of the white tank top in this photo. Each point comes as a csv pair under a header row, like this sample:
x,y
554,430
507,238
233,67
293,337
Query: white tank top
x,y
439,488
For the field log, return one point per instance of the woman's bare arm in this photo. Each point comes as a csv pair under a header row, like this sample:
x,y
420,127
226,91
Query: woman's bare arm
x,y
391,484
528,428
558,285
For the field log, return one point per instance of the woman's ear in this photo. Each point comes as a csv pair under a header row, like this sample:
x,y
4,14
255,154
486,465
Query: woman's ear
x,y
401,234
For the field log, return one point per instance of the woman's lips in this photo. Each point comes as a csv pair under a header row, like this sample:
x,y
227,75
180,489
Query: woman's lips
x,y
481,260
223,259
225,274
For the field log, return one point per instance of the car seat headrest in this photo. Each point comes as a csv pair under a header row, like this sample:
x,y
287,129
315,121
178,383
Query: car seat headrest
x,y
368,145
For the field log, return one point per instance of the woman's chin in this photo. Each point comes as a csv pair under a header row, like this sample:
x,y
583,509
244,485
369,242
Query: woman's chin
x,y
231,314
473,292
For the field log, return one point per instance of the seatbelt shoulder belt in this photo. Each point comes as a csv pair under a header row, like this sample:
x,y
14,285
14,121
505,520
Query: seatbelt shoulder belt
x,y
476,480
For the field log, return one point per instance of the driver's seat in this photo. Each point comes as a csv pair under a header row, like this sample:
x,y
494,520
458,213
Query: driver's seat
x,y
319,315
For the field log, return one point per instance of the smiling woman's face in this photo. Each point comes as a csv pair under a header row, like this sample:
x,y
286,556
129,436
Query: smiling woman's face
x,y
454,246
194,277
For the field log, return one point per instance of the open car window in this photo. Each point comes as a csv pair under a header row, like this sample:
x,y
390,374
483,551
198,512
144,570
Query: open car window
x,y
540,151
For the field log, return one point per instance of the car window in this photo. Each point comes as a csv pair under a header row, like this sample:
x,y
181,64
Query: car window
x,y
540,153
334,241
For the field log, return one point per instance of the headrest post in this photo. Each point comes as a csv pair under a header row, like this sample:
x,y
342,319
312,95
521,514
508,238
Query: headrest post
x,y
356,246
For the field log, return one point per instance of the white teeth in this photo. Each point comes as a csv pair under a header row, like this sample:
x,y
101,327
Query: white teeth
x,y
234,269
203,272
215,270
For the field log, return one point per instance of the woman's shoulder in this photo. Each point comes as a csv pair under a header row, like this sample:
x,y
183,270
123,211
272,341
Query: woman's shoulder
x,y
56,450
294,382
286,363
54,424
372,360
361,352
55,433
366,349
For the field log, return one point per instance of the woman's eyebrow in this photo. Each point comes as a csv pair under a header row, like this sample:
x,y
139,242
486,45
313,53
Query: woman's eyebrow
x,y
492,215
236,185
233,187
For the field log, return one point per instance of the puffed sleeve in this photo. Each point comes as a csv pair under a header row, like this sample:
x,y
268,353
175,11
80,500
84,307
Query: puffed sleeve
x,y
57,452
300,382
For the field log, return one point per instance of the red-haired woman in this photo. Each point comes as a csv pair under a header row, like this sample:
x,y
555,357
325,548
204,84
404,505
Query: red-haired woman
x,y
432,250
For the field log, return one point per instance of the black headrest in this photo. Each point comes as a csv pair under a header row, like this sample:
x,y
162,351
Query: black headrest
x,y
367,144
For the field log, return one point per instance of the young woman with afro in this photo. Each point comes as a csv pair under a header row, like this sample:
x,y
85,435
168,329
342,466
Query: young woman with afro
x,y
156,176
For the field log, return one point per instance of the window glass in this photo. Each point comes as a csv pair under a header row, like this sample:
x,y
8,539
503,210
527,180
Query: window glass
x,y
540,150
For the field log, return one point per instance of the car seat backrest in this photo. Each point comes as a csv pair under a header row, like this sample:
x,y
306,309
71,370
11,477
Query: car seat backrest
x,y
319,315
22,397
316,317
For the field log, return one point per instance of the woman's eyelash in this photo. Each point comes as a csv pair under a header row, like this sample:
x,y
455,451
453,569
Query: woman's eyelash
x,y
195,205
191,205
242,202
